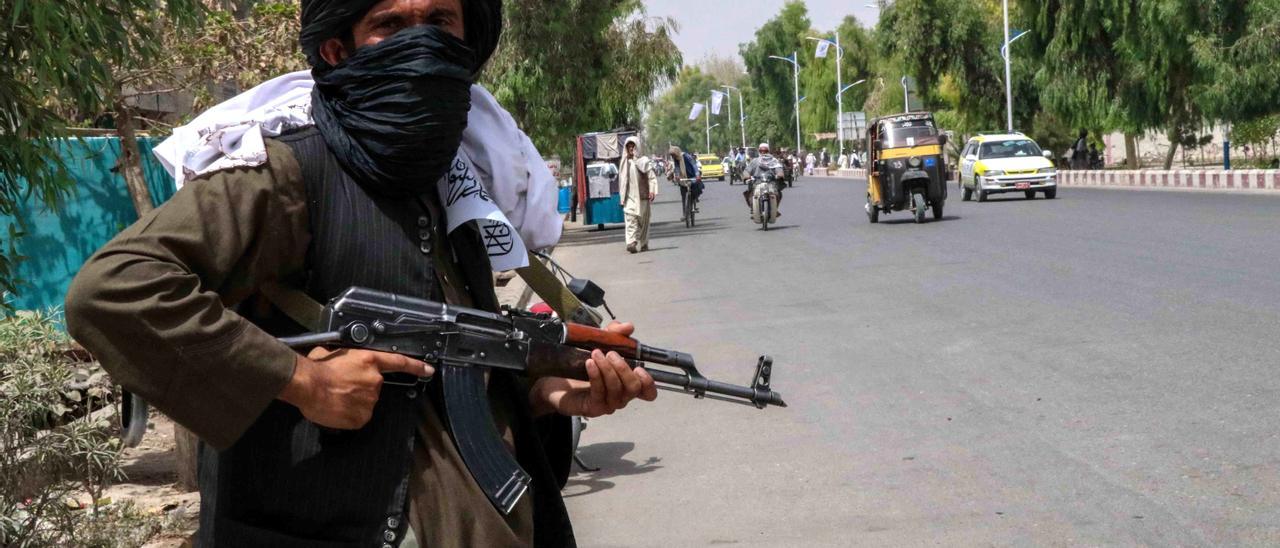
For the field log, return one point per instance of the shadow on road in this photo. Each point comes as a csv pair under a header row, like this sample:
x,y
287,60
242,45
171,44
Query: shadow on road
x,y
910,221
657,231
609,458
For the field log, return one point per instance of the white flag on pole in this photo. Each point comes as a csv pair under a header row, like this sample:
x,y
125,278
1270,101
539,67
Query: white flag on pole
x,y
823,47
697,111
717,100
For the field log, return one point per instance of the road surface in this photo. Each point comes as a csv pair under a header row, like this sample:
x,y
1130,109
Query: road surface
x,y
1103,368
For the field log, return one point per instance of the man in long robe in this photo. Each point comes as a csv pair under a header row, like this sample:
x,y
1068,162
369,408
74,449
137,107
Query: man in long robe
x,y
638,185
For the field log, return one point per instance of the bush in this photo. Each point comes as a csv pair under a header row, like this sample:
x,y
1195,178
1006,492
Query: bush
x,y
54,449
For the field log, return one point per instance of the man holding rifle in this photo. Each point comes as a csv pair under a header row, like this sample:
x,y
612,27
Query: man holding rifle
x,y
317,450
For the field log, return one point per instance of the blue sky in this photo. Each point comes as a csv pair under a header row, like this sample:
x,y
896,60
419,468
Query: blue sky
x,y
718,26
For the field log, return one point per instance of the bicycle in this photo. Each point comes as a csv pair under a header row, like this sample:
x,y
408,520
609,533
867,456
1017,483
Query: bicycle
x,y
688,204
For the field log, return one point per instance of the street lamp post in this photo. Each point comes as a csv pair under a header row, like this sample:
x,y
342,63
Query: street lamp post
x,y
795,63
1008,69
906,95
839,86
742,114
709,128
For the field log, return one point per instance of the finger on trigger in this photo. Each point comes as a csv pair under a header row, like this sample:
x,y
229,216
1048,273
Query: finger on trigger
x,y
396,363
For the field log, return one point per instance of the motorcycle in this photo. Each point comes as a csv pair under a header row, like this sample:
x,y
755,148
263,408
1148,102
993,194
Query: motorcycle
x,y
764,195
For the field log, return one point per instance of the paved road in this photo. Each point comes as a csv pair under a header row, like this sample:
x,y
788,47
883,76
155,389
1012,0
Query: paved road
x,y
1099,369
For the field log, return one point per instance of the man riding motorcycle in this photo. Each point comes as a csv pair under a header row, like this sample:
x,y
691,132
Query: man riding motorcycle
x,y
755,168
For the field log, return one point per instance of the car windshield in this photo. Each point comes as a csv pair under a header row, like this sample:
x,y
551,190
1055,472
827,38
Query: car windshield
x,y
1010,149
709,161
906,133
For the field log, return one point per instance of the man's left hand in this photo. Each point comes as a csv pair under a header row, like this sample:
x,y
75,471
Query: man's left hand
x,y
653,196
612,385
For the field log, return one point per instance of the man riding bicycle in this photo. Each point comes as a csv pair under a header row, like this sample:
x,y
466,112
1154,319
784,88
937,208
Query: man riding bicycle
x,y
755,168
685,172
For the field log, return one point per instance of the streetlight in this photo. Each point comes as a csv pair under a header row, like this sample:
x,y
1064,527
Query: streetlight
x,y
906,96
1008,69
850,86
839,86
742,113
709,128
795,62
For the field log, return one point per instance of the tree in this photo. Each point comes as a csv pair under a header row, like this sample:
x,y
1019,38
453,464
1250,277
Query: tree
x,y
58,56
818,81
572,66
668,122
772,80
951,49
1239,53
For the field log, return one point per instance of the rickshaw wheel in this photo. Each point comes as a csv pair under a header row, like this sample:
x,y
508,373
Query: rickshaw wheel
x,y
921,207
873,211
937,211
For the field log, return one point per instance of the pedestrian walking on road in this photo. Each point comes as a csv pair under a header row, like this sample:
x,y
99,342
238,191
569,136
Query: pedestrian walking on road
x,y
638,183
809,162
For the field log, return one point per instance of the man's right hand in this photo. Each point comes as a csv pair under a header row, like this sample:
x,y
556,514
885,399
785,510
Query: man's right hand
x,y
338,389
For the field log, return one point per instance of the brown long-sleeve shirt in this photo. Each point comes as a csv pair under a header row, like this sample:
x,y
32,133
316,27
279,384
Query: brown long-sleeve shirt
x,y
153,304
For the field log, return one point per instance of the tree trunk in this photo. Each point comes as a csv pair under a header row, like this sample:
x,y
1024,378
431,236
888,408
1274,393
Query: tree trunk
x,y
130,162
1174,132
136,181
1131,151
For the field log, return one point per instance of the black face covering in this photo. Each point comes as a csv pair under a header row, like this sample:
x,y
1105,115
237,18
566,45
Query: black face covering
x,y
325,19
393,113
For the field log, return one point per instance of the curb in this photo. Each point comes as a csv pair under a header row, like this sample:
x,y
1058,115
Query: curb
x,y
1234,180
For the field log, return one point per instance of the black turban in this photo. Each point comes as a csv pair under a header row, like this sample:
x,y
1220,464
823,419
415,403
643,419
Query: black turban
x,y
325,19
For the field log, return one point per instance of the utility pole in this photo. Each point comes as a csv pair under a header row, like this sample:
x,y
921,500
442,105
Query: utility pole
x,y
795,64
742,113
1008,69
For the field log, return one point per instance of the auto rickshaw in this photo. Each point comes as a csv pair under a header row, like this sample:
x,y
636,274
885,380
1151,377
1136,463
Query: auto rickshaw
x,y
906,170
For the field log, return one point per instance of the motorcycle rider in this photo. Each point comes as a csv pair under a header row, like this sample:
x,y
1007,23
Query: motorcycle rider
x,y
755,168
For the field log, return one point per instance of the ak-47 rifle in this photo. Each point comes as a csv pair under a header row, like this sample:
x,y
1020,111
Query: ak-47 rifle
x,y
462,342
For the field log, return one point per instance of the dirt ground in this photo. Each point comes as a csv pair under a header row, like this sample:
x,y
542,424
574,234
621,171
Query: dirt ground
x,y
151,483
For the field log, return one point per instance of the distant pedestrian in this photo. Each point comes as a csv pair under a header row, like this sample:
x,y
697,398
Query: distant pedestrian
x,y
809,162
1080,151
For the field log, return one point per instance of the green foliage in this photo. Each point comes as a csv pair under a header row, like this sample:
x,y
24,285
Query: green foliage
x,y
576,66
58,56
951,49
771,103
53,452
818,112
668,121
1241,57
1257,131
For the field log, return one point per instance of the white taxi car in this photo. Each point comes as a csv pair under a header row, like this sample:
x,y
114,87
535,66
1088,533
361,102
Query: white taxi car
x,y
1010,162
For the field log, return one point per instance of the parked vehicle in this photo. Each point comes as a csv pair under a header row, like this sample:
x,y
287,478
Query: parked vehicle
x,y
906,170
1006,162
